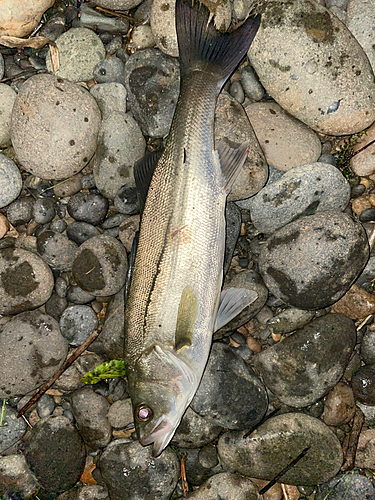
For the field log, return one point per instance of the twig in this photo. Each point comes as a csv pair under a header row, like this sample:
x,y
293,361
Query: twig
x,y
284,471
185,486
59,372
351,441
363,148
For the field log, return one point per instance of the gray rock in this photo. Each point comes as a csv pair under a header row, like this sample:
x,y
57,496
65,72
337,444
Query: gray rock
x,y
16,479
304,190
289,320
31,351
80,49
56,250
112,335
251,84
116,4
12,430
226,486
127,200
7,98
10,180
76,295
310,64
88,207
101,265
26,281
351,485
120,413
79,232
69,187
90,412
55,453
109,71
131,473
311,262
94,20
195,431
230,394
232,123
360,20
368,348
142,37
20,211
61,114
55,306
43,210
163,26
307,364
237,91
279,440
110,97
77,323
151,103
45,406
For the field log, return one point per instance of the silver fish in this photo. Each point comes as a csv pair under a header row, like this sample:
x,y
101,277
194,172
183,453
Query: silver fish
x,y
172,306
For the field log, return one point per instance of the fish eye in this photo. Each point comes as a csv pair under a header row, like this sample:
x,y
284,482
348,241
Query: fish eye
x,y
143,413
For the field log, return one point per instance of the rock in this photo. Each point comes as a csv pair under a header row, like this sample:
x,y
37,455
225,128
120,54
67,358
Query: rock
x,y
20,211
127,231
116,4
16,479
363,384
126,200
307,364
236,91
92,19
226,486
31,351
278,441
59,113
310,63
356,303
80,49
79,232
19,20
230,394
286,142
363,163
10,179
353,486
100,266
368,347
76,295
131,473
304,190
360,20
339,407
232,123
289,320
112,335
120,414
90,412
365,457
195,431
110,97
88,207
45,406
7,98
55,453
327,252
142,38
43,210
56,250
162,22
4,226
152,82
77,323
26,281
250,83
12,430
109,71
1,66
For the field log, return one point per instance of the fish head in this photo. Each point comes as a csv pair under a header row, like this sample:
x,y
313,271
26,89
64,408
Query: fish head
x,y
161,386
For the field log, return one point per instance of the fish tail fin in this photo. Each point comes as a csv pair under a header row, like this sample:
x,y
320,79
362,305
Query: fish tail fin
x,y
202,47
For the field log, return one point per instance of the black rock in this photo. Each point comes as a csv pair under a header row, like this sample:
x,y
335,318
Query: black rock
x,y
79,232
43,210
88,207
363,384
20,211
77,323
126,200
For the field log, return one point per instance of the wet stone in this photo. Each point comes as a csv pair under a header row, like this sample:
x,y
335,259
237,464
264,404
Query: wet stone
x,y
12,430
328,252
290,319
127,466
20,211
363,384
58,226
110,70
45,406
307,364
100,266
195,431
230,394
151,103
16,479
339,406
55,453
126,200
352,485
56,250
10,180
112,335
77,323
26,282
43,210
88,207
278,441
79,232
226,486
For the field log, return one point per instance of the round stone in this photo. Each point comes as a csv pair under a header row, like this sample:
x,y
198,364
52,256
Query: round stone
x,y
77,323
10,180
79,232
43,210
20,211
7,98
88,207
56,250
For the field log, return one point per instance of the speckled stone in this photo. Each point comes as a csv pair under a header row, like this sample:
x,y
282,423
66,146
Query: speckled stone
x,y
360,20
12,430
226,486
10,180
56,250
7,98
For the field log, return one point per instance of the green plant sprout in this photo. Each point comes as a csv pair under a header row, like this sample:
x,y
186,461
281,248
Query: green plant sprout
x,y
110,369
345,153
3,412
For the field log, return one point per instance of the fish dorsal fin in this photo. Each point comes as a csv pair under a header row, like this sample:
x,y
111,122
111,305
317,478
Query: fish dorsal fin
x,y
232,156
186,318
232,302
143,172
129,274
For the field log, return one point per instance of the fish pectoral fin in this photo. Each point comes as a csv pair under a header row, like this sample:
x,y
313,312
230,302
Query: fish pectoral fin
x,y
232,156
186,319
143,172
232,302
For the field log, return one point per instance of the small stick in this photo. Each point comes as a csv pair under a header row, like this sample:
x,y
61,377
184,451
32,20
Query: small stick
x,y
185,486
363,148
350,444
284,471
59,372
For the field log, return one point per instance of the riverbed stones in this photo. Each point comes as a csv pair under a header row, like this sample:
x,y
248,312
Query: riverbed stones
x,y
311,64
278,441
311,262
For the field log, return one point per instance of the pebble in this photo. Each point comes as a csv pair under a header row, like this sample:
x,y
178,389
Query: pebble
x,y
88,207
20,211
80,49
114,220
57,250
351,485
142,37
116,4
12,430
110,97
360,20
289,320
195,431
278,441
356,303
79,232
77,323
10,180
110,70
363,163
69,187
4,226
328,251
126,466
251,84
236,91
101,265
368,347
232,123
90,413
286,142
226,486
368,215
363,384
230,394
339,406
43,210
91,18
76,295
162,23
308,364
311,65
55,306
26,281
55,453
45,406
365,451
32,349
59,113
152,103
16,479
127,231
126,200
120,414
112,335
7,98
303,190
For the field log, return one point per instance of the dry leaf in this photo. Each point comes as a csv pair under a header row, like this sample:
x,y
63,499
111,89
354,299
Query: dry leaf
x,y
37,42
55,61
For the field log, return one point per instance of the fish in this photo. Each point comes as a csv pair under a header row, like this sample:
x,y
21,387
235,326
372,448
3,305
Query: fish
x,y
174,302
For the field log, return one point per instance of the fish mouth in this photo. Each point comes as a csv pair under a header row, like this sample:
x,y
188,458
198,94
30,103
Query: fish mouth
x,y
160,436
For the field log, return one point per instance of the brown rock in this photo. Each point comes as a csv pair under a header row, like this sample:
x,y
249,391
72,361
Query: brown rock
x,y
4,225
365,456
339,407
356,303
360,204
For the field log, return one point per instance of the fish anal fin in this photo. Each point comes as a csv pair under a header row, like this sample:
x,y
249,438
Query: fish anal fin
x,y
232,156
186,319
232,302
143,172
